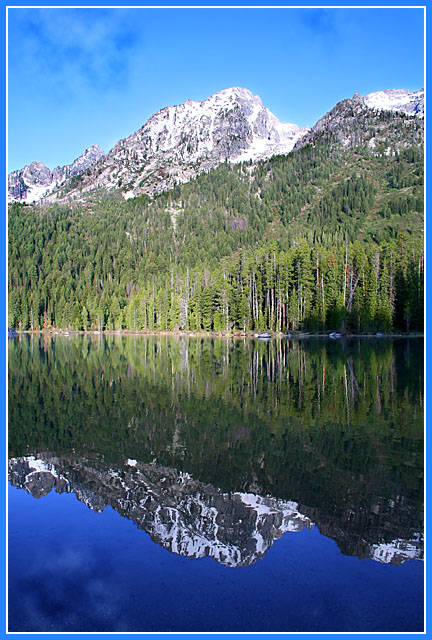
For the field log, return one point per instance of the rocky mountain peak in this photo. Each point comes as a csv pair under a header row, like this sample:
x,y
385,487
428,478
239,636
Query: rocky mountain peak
x,y
357,121
242,96
37,173
36,181
179,142
90,156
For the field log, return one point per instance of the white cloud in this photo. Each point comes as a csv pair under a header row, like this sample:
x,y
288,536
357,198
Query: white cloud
x,y
75,49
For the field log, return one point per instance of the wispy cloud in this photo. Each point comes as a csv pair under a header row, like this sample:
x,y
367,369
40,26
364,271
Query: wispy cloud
x,y
75,49
41,596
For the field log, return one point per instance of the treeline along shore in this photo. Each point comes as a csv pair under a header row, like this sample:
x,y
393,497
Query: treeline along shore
x,y
354,287
320,240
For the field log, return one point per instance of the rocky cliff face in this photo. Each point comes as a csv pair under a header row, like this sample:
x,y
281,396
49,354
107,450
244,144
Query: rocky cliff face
x,y
36,181
191,518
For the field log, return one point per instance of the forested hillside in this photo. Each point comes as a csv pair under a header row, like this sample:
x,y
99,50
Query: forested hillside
x,y
328,237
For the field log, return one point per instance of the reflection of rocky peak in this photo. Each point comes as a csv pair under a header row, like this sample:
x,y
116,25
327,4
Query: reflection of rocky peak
x,y
382,531
181,514
36,476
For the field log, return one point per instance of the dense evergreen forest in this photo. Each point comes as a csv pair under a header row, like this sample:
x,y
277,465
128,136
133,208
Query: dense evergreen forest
x,y
325,238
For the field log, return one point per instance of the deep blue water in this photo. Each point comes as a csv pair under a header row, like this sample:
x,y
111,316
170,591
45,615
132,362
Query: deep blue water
x,y
130,460
72,569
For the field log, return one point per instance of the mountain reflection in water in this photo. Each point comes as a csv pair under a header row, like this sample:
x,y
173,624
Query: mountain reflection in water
x,y
185,516
218,447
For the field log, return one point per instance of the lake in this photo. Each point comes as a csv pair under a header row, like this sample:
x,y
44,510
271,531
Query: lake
x,y
195,484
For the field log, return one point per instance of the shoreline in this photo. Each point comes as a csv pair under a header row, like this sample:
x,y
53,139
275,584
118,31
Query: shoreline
x,y
216,334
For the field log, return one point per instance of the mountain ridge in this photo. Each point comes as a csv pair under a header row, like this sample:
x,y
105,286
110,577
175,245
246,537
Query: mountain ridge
x,y
359,121
179,142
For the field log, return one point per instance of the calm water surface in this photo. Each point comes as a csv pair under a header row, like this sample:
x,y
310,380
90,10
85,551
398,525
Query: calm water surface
x,y
188,484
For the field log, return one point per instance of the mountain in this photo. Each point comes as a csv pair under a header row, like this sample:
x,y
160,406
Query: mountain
x,y
194,519
180,142
355,177
386,121
175,145
36,181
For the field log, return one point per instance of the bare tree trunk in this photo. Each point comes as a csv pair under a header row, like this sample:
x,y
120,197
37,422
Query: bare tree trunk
x,y
353,286
346,270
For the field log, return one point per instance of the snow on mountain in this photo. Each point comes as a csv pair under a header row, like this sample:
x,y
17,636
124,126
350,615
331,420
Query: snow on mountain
x,y
30,183
179,142
409,102
36,181
354,123
186,516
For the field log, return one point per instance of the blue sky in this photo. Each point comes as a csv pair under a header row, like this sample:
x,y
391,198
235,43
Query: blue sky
x,y
78,77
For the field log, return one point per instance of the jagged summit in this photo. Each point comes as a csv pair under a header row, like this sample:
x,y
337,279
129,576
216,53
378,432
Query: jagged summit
x,y
230,93
178,142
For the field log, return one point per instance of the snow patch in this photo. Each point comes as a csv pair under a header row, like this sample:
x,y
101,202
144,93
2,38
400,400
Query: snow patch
x,y
398,551
410,102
